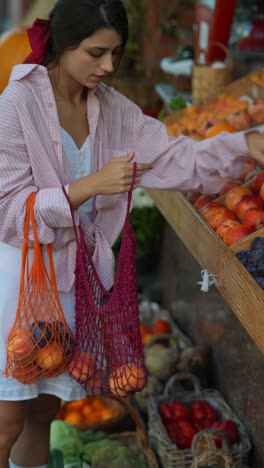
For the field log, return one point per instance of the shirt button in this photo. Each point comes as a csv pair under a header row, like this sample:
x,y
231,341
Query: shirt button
x,y
56,143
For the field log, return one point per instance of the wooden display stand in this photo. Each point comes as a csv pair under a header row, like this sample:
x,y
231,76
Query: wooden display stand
x,y
234,282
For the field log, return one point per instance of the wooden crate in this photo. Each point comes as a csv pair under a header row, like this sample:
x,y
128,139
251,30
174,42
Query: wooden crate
x,y
242,87
237,286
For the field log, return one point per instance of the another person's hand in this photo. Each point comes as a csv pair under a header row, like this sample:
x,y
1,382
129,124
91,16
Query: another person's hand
x,y
255,142
117,175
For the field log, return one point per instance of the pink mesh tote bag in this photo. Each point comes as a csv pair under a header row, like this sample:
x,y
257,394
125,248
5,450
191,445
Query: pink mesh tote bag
x,y
108,353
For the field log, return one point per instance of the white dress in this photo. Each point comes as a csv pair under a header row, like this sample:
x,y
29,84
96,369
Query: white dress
x,y
63,386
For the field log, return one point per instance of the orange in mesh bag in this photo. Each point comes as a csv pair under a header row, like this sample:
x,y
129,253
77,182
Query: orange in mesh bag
x,y
40,342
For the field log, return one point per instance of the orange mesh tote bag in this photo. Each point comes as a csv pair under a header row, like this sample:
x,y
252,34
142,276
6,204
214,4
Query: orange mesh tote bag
x,y
40,342
108,353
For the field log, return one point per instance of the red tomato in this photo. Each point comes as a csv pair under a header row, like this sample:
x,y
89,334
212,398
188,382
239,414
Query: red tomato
x,y
166,412
180,411
161,327
203,411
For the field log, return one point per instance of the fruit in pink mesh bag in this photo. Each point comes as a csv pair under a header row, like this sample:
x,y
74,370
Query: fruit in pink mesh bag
x,y
127,379
82,366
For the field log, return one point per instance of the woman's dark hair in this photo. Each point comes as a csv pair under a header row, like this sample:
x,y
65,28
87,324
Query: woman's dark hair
x,y
72,21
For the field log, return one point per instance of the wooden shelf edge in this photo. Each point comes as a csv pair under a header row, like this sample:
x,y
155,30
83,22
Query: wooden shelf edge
x,y
236,285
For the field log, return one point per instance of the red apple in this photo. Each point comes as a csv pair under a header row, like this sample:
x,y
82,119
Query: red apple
x,y
236,233
229,185
219,217
257,182
254,218
227,224
246,203
235,195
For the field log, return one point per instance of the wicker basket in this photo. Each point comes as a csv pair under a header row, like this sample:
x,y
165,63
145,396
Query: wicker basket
x,y
139,438
205,452
109,425
207,80
170,455
150,311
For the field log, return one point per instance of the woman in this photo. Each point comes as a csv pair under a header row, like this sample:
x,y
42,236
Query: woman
x,y
61,125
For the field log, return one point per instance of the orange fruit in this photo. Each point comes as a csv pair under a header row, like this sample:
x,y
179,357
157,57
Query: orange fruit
x,y
73,417
218,128
127,378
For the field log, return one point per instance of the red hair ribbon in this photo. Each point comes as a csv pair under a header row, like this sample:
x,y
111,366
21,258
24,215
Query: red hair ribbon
x,y
39,35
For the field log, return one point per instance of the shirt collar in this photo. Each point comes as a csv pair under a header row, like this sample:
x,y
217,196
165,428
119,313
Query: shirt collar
x,y
21,71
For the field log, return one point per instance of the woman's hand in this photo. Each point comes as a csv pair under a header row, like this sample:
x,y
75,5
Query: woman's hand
x,y
255,142
117,175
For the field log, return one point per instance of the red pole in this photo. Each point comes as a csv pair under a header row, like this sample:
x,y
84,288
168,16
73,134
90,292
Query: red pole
x,y
220,32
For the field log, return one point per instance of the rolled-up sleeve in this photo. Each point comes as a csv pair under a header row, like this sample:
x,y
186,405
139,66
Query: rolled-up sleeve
x,y
183,164
17,183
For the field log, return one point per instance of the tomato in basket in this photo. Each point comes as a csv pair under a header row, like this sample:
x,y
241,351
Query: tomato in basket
x,y
161,327
203,414
182,433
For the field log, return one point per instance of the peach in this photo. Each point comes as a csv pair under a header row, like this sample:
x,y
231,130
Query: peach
x,y
236,233
51,357
229,185
240,120
27,374
257,182
254,218
261,192
227,224
246,203
82,367
203,201
250,165
256,111
219,216
20,346
127,379
235,195
207,210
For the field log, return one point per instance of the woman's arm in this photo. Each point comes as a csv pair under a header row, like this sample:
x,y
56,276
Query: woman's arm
x,y
184,164
17,183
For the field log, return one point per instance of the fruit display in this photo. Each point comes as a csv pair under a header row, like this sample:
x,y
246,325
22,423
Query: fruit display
x,y
88,411
237,211
176,416
253,260
183,421
159,327
227,113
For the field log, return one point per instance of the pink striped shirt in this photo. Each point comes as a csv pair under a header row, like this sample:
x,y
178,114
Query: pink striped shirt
x,y
32,159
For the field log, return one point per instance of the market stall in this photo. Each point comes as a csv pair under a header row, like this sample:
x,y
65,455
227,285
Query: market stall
x,y
244,296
